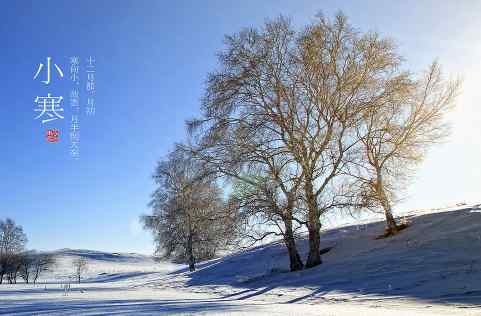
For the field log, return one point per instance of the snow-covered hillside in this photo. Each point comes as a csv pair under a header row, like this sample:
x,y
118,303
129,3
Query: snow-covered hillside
x,y
102,265
436,260
431,268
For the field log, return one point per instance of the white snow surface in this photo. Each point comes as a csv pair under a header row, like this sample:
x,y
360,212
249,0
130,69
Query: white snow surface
x,y
431,268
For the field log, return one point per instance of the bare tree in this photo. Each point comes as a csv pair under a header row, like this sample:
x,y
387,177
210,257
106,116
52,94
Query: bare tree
x,y
307,90
80,265
189,218
27,265
267,181
267,210
396,133
13,268
12,243
43,262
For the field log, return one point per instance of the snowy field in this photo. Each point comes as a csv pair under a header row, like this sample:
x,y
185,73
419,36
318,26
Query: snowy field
x,y
431,268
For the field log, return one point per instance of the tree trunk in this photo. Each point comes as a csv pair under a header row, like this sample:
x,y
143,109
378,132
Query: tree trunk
x,y
386,205
190,254
190,251
295,260
1,277
37,272
314,257
314,227
390,222
15,275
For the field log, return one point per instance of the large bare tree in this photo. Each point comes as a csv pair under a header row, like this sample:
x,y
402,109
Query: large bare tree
x,y
189,219
397,131
308,91
266,180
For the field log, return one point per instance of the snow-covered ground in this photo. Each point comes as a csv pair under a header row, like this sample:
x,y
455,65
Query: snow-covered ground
x,y
431,268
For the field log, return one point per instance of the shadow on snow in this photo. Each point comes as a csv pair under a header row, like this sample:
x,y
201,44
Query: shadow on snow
x,y
436,259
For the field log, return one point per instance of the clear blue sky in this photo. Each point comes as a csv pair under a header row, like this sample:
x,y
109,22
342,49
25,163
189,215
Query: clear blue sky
x,y
152,58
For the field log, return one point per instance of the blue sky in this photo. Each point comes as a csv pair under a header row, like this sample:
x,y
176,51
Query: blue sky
x,y
152,58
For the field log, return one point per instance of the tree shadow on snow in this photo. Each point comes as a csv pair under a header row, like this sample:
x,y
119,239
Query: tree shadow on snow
x,y
436,259
116,307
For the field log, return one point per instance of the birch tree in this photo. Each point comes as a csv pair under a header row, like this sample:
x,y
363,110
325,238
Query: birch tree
x,y
396,133
245,151
309,89
189,219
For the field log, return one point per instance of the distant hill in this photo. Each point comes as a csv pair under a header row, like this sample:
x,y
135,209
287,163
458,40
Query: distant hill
x,y
102,256
102,265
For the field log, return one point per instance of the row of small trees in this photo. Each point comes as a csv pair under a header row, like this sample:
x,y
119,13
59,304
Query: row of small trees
x,y
297,124
15,261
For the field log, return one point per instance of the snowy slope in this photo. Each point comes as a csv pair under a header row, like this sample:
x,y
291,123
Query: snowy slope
x,y
437,260
431,268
